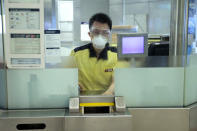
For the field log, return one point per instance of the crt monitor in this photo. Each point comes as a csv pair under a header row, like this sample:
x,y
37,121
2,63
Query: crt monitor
x,y
132,45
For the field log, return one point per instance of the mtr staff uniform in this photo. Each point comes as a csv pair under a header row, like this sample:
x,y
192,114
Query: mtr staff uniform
x,y
95,74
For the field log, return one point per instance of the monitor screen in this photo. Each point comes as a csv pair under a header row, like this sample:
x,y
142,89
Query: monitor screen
x,y
132,45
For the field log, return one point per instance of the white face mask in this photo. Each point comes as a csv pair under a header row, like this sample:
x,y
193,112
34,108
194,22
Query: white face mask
x,y
99,42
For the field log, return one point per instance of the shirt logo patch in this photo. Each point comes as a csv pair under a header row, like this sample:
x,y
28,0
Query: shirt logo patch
x,y
109,70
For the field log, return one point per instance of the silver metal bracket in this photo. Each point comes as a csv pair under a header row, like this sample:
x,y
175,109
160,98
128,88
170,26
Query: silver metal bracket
x,y
120,104
74,105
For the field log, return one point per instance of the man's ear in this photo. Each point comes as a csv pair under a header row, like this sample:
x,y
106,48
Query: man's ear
x,y
90,35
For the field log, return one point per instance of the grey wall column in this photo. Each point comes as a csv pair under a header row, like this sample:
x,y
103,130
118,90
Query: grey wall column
x,y
77,21
179,27
3,76
1,38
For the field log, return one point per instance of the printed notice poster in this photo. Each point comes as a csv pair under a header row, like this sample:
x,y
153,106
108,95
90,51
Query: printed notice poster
x,y
24,18
53,46
24,1
25,44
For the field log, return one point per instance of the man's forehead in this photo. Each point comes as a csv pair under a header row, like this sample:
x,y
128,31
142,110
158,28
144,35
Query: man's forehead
x,y
98,25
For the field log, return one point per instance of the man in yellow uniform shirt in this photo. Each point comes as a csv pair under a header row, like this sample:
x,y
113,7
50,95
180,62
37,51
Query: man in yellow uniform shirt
x,y
96,60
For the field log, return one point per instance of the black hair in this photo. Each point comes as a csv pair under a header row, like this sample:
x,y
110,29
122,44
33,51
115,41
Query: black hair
x,y
102,18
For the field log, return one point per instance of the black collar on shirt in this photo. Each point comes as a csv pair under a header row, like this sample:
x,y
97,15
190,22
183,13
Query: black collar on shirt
x,y
102,55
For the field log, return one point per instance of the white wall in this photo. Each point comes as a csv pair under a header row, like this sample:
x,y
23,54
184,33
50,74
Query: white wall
x,y
90,7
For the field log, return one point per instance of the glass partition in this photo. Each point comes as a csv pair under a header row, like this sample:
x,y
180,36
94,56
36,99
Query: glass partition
x,y
150,87
49,88
190,81
152,17
190,96
192,30
155,80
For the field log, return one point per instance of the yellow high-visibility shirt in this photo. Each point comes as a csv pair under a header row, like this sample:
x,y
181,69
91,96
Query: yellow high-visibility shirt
x,y
95,74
